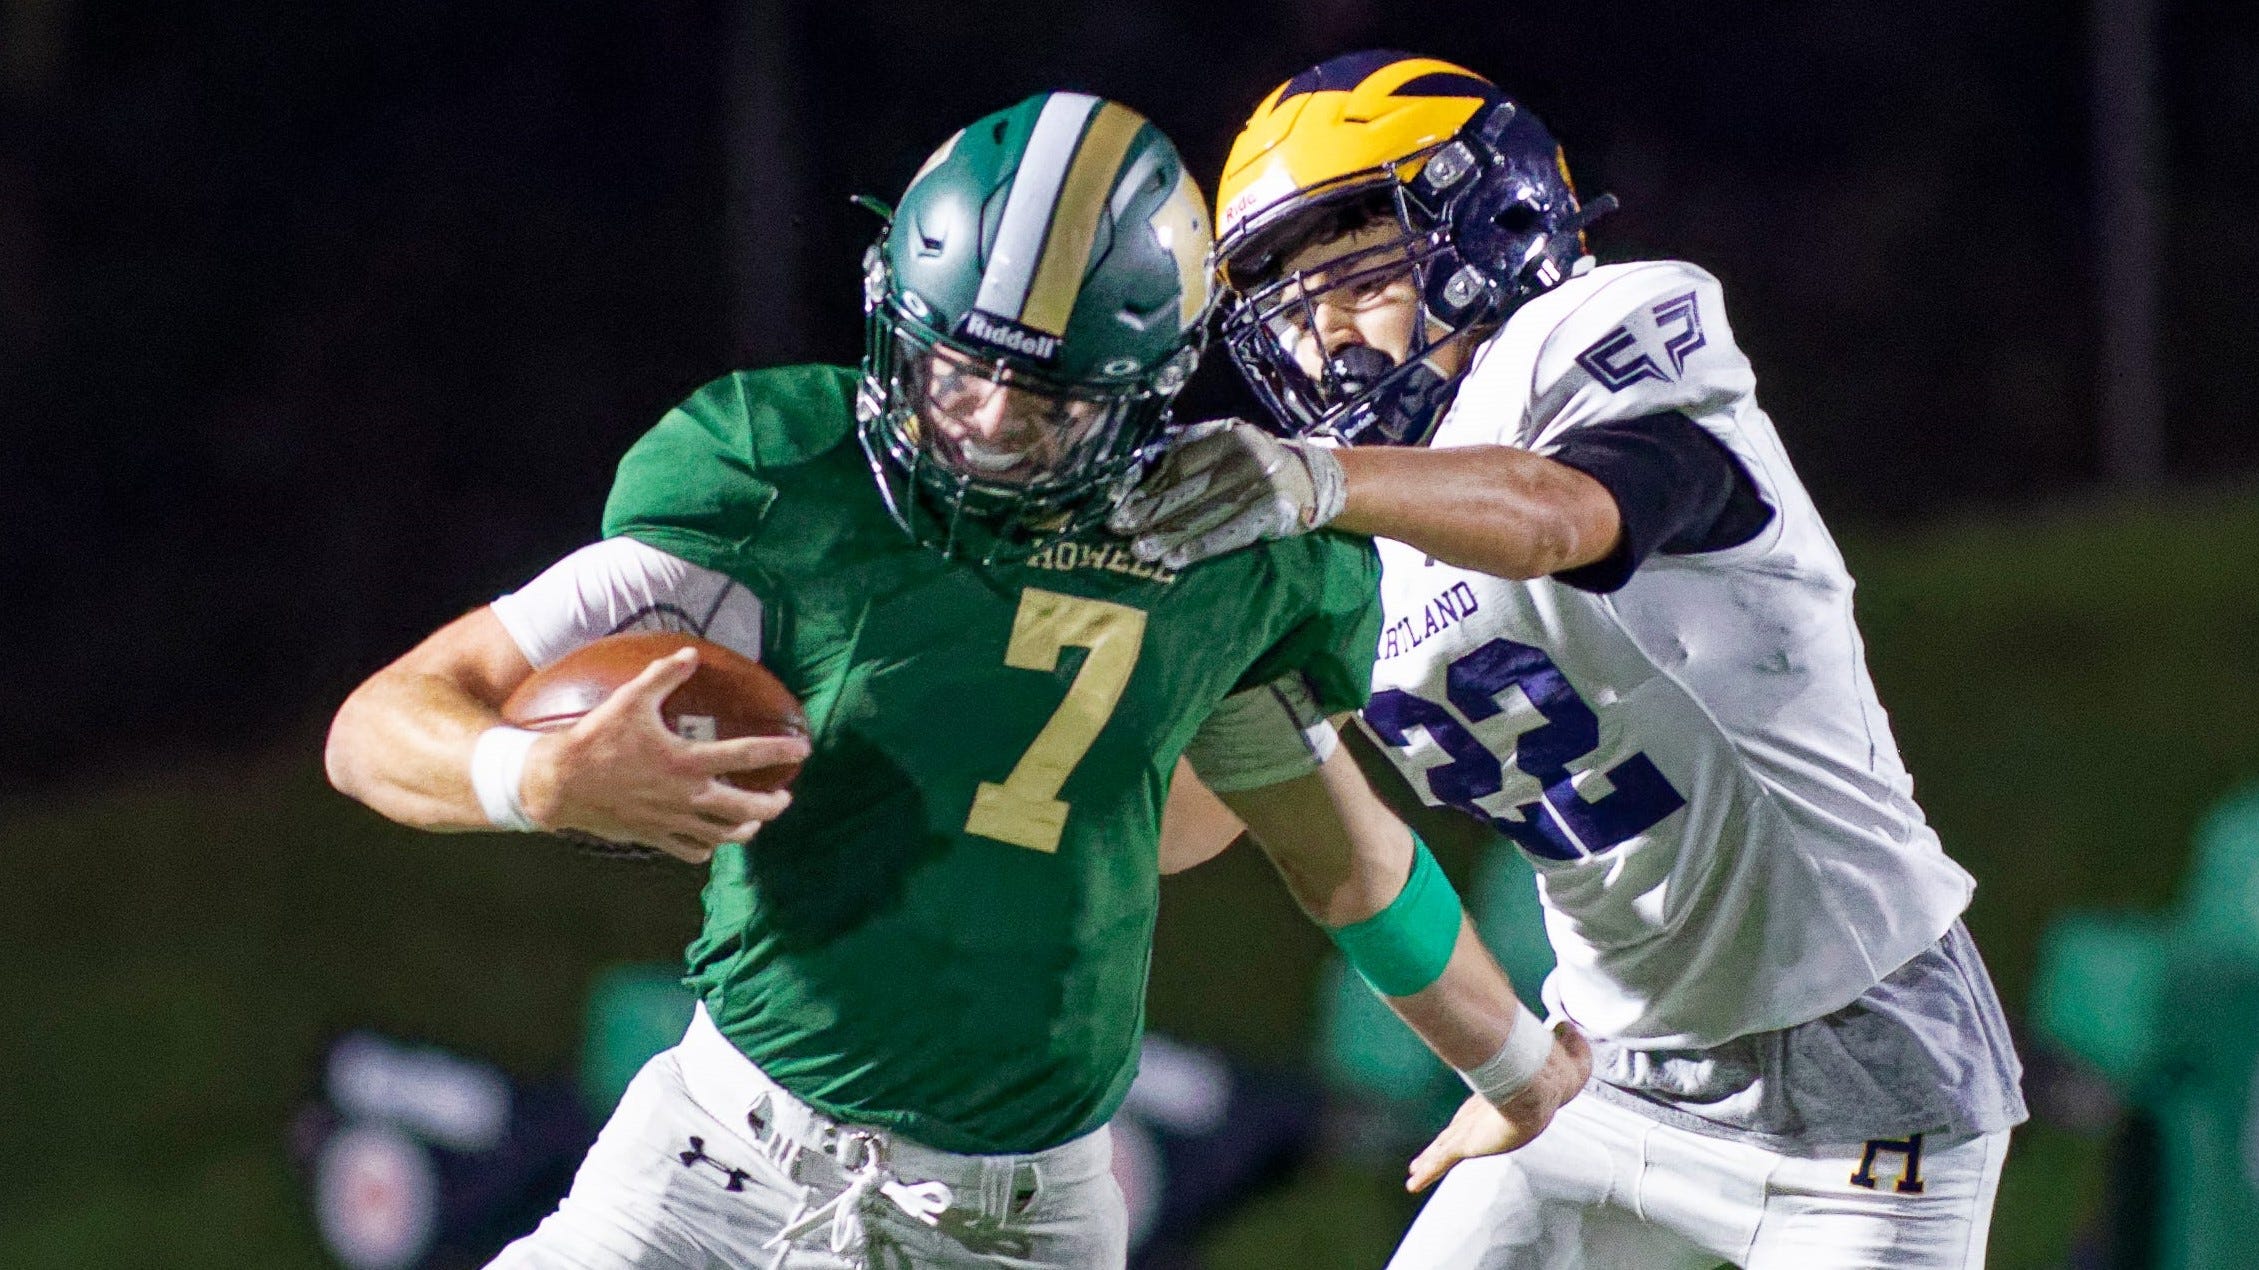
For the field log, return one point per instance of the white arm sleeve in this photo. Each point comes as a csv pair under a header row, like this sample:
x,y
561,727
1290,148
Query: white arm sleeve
x,y
621,585
1262,736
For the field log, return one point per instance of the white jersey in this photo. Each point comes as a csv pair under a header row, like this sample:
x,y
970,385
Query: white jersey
x,y
1725,837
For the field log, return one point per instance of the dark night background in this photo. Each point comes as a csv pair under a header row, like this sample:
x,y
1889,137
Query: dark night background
x,y
322,323
319,323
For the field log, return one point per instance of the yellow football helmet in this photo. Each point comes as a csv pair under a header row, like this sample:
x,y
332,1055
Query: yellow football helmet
x,y
1338,129
1478,189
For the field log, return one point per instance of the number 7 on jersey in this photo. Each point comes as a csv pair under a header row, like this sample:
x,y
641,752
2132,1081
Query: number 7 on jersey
x,y
1025,810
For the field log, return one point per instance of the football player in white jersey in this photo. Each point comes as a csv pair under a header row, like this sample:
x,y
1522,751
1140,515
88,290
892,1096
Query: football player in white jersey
x,y
1619,634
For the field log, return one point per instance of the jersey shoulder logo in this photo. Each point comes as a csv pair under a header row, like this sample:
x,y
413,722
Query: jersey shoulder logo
x,y
1620,359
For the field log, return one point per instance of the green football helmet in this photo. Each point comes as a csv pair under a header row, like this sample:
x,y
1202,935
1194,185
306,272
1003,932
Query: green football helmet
x,y
1033,306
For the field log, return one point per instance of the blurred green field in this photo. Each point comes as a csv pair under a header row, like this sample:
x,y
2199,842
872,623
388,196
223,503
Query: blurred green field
x,y
2072,691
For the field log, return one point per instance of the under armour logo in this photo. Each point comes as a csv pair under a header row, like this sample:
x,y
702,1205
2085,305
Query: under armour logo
x,y
696,1155
1909,1178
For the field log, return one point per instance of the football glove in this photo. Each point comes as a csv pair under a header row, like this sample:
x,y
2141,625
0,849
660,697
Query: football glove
x,y
1225,485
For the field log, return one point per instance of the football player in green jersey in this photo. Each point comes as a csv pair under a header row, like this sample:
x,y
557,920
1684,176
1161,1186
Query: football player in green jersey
x,y
922,984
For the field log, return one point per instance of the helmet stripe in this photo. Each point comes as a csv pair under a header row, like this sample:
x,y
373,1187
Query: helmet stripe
x,y
1446,84
1027,211
1343,74
1074,221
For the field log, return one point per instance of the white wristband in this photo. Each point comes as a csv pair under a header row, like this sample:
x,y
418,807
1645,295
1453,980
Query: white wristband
x,y
1517,1062
498,769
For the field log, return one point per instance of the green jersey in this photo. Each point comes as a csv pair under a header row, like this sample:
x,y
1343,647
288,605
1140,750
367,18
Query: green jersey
x,y
947,934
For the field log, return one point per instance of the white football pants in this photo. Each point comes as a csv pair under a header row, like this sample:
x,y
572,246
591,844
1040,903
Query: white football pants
x,y
1605,1188
706,1163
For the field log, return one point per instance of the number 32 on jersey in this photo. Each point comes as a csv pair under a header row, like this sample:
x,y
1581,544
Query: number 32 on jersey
x,y
1025,809
1559,824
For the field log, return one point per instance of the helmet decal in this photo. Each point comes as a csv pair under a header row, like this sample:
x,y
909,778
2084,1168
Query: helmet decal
x,y
1028,209
1074,218
1418,76
1442,84
1050,220
1342,74
1180,224
1353,115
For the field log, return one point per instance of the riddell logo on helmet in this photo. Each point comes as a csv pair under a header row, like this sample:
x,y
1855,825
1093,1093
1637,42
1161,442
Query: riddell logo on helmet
x,y
1008,335
1274,185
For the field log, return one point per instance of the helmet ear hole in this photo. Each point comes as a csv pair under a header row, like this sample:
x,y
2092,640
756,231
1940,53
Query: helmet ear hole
x,y
1518,219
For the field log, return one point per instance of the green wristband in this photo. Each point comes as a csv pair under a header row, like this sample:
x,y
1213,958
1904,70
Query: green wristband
x,y
1404,947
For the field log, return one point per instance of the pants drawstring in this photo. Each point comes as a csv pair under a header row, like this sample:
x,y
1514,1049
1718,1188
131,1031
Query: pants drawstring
x,y
867,1176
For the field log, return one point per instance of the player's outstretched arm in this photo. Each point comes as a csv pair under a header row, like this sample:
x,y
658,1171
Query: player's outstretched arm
x,y
1495,509
1504,511
403,744
1363,876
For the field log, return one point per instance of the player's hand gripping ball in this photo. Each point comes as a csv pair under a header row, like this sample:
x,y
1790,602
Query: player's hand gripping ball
x,y
729,695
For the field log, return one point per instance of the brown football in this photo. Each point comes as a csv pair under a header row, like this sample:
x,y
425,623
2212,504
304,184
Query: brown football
x,y
729,695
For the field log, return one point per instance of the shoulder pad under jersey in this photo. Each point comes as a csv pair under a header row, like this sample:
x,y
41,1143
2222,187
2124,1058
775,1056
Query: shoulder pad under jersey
x,y
700,483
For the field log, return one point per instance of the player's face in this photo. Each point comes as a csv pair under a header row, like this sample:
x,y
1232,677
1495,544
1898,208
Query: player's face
x,y
1349,290
981,425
